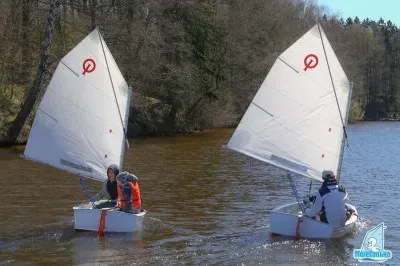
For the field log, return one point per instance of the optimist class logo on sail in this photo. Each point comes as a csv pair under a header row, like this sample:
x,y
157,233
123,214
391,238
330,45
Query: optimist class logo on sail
x,y
310,61
89,65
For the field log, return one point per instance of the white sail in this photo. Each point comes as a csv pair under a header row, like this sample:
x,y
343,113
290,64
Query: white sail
x,y
77,126
293,122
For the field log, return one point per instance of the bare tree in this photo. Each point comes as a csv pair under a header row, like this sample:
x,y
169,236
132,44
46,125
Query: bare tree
x,y
19,121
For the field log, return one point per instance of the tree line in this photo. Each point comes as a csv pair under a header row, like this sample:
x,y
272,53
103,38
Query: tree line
x,y
193,64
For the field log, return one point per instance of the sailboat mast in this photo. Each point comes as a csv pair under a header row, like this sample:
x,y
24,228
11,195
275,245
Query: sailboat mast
x,y
128,105
112,85
344,121
333,84
344,138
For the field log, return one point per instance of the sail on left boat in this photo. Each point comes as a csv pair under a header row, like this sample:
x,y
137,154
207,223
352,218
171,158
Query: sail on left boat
x,y
80,126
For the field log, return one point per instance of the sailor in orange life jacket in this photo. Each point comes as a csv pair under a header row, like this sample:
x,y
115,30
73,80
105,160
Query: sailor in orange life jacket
x,y
129,198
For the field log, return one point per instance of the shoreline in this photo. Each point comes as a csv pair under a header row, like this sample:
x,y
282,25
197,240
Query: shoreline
x,y
6,144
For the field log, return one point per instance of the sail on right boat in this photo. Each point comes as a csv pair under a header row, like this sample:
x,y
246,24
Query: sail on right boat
x,y
297,120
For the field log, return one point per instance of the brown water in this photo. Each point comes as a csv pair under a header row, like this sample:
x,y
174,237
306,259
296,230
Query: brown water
x,y
205,205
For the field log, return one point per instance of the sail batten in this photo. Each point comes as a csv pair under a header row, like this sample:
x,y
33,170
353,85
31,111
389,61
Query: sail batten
x,y
76,74
77,127
265,111
293,121
286,63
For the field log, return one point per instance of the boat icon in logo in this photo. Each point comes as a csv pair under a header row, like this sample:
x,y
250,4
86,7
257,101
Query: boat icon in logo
x,y
372,248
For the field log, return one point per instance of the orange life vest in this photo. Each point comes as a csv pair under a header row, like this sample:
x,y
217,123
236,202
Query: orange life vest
x,y
135,196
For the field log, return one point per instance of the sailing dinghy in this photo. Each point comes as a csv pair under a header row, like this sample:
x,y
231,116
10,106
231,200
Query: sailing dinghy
x,y
80,127
297,122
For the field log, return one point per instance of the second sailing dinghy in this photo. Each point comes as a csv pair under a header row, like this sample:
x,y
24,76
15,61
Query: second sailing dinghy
x,y
80,126
297,122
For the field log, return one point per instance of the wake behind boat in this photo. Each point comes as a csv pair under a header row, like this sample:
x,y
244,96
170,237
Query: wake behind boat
x,y
297,122
80,127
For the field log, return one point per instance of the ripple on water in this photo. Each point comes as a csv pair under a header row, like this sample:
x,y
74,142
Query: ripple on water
x,y
205,205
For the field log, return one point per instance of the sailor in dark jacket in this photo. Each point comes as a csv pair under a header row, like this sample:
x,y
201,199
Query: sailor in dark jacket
x,y
329,202
109,189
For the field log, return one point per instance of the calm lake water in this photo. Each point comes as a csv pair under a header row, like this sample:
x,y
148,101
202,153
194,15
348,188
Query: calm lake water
x,y
205,205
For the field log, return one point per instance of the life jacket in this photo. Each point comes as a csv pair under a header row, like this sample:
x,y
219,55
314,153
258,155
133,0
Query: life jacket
x,y
112,189
135,196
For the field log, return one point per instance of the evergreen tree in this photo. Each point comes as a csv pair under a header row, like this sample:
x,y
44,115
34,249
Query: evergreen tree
x,y
349,22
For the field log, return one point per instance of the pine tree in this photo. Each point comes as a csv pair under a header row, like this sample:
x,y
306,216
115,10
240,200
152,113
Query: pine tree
x,y
349,22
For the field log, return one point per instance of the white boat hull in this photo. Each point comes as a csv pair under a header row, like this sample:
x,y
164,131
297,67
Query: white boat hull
x,y
88,219
284,221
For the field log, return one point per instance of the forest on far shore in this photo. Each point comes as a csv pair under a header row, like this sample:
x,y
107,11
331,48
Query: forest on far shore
x,y
193,64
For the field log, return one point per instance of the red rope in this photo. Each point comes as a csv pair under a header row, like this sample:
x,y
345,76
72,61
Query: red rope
x,y
297,236
102,224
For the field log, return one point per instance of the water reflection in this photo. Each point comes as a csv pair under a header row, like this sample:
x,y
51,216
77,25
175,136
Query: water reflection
x,y
89,249
206,205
